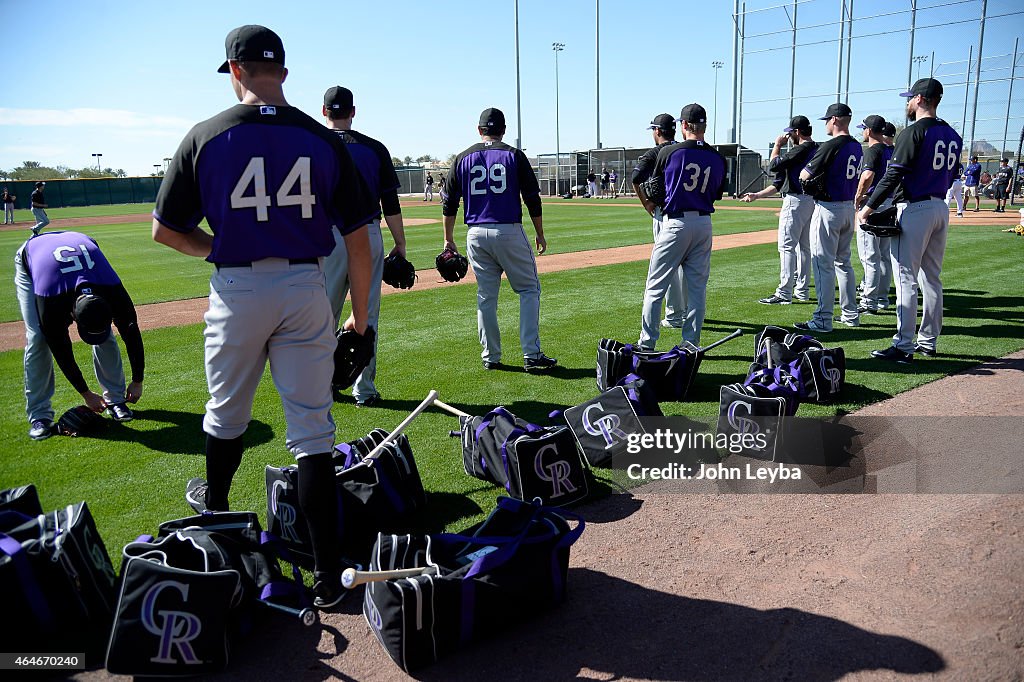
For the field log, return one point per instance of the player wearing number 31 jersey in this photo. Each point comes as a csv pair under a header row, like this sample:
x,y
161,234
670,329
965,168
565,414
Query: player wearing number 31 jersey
x,y
490,176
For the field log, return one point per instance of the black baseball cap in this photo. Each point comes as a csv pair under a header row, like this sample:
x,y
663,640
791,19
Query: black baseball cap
x,y
492,119
974,157
252,43
874,123
838,109
93,315
40,184
338,97
929,87
797,123
889,130
663,122
693,113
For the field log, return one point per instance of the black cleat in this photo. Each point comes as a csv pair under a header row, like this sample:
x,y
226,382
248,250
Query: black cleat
x,y
893,354
195,494
540,364
327,589
927,352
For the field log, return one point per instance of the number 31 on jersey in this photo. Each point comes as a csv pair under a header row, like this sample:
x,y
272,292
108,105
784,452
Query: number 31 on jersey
x,y
255,175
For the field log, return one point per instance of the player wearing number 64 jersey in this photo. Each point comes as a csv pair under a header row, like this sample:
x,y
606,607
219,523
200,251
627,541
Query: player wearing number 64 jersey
x,y
490,176
923,166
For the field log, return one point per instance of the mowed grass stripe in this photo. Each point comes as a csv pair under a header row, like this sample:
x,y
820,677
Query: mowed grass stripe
x,y
133,477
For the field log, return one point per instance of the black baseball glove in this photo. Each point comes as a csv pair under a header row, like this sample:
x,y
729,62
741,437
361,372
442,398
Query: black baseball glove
x,y
883,223
352,355
79,421
398,272
654,188
452,265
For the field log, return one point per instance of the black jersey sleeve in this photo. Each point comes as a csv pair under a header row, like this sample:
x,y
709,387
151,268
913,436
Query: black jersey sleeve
x,y
54,319
869,162
127,322
903,156
352,200
178,201
783,162
529,188
451,190
644,166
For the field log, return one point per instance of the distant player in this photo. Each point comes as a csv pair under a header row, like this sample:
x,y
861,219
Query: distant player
x,y
663,129
1001,180
693,175
613,179
921,170
972,182
271,182
8,200
831,178
795,216
874,251
490,177
60,278
428,188
956,191
39,207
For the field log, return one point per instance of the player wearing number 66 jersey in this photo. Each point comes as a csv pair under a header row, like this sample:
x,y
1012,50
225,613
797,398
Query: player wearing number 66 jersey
x,y
831,178
271,182
62,277
491,176
923,166
693,176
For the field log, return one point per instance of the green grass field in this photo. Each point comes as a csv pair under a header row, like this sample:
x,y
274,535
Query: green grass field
x,y
133,476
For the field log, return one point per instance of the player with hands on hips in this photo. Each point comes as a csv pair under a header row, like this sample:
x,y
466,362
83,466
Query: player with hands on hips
x,y
60,278
490,177
921,170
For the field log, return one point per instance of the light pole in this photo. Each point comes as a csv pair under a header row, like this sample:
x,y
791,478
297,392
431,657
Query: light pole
x,y
156,169
97,162
557,47
919,60
714,126
519,112
167,162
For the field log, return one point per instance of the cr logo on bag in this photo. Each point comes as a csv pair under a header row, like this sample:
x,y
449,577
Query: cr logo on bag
x,y
742,424
557,473
177,628
284,512
98,556
831,372
606,426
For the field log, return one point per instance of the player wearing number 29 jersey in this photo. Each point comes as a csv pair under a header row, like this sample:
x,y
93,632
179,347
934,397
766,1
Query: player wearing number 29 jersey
x,y
490,177
271,181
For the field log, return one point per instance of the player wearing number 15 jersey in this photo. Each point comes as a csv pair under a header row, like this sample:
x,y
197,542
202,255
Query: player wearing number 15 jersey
x,y
692,174
490,177
923,166
271,182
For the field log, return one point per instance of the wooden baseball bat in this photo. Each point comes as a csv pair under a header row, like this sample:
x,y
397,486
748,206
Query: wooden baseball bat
x,y
427,402
448,408
351,578
738,332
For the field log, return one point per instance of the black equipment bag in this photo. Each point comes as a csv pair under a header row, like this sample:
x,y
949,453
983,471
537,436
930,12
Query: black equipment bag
x,y
183,593
670,375
822,371
379,494
57,580
529,461
24,500
602,426
511,568
754,410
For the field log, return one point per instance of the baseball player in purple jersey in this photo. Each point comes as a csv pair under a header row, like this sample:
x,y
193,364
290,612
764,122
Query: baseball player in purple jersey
x,y
795,216
873,251
374,163
663,129
922,168
60,278
972,182
271,182
693,176
831,178
491,176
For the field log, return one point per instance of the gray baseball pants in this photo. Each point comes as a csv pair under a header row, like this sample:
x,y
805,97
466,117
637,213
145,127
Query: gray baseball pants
x,y
683,242
832,227
499,248
675,309
917,255
795,246
874,258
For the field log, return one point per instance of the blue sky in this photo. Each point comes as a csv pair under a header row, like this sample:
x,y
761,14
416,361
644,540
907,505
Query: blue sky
x,y
128,79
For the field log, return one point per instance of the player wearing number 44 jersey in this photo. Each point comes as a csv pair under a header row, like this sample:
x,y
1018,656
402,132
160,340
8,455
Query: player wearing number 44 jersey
x,y
271,182
693,176
490,176
922,168
831,178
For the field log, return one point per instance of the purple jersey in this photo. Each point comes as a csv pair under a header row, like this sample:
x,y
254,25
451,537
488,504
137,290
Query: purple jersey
x,y
61,262
491,176
835,166
927,153
972,174
264,196
694,175
373,161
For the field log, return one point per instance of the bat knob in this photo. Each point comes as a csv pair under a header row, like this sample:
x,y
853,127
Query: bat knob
x,y
308,617
348,578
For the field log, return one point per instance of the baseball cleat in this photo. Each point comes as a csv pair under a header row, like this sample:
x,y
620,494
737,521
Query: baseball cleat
x,y
327,589
802,299
671,325
539,364
959,215
41,429
927,352
848,323
368,401
195,494
866,310
120,412
893,354
811,326
773,300
491,365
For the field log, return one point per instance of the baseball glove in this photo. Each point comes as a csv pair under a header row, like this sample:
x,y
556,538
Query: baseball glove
x,y
452,265
79,421
883,223
352,355
654,188
398,272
